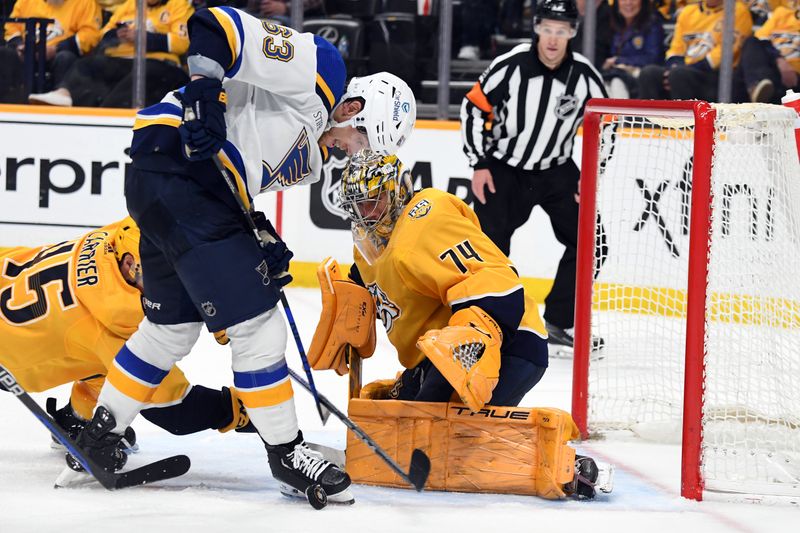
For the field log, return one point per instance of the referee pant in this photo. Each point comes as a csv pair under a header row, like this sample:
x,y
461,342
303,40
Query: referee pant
x,y
517,193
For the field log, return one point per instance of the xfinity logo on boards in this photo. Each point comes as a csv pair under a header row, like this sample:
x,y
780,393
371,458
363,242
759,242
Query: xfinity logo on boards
x,y
666,205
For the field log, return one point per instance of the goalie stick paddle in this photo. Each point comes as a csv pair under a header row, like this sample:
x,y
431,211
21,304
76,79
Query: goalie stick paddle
x,y
420,465
167,468
323,414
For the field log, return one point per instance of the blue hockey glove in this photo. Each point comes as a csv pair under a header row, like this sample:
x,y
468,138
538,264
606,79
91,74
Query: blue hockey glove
x,y
203,130
276,253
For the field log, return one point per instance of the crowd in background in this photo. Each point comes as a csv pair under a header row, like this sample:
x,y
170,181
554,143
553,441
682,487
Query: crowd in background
x,y
643,48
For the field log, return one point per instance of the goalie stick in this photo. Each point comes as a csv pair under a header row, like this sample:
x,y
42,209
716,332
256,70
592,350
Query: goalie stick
x,y
323,414
167,468
420,465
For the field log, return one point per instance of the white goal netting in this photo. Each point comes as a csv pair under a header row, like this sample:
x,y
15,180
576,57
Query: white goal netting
x,y
751,404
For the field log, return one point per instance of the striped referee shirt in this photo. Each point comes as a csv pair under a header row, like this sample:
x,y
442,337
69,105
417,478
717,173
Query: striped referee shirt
x,y
534,112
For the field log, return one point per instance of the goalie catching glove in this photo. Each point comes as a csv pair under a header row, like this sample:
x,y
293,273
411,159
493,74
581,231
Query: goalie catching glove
x,y
467,353
348,318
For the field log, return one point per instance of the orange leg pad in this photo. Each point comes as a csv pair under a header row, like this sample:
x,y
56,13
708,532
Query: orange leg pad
x,y
508,450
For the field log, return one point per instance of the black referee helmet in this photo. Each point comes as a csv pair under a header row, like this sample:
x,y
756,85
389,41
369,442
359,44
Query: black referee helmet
x,y
565,10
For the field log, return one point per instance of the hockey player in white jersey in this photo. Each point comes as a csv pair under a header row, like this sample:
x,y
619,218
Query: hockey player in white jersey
x,y
267,101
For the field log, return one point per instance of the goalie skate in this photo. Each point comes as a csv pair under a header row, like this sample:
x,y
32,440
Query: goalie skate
x,y
590,477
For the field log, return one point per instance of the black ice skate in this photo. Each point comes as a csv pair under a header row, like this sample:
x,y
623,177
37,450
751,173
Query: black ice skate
x,y
303,472
590,477
562,342
73,424
98,442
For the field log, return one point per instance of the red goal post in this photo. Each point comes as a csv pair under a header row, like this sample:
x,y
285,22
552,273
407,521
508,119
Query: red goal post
x,y
706,181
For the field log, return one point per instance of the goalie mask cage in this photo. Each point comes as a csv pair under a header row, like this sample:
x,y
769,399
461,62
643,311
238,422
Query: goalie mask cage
x,y
688,267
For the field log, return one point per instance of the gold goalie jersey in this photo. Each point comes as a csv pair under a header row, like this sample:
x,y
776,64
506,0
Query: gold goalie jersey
x,y
437,257
65,311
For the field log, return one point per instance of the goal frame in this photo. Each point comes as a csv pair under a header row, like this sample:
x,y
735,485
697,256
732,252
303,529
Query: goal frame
x,y
704,116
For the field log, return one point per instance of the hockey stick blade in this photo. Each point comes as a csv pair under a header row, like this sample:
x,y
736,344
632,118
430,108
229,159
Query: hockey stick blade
x,y
167,468
420,463
157,471
419,469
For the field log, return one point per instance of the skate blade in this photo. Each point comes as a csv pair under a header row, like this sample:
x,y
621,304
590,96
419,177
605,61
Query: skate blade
x,y
69,478
344,497
605,477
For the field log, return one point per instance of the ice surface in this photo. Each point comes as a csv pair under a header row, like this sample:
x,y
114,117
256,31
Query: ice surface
x,y
229,487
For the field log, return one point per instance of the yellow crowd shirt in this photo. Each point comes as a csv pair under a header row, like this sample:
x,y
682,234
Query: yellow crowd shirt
x,y
782,28
73,18
66,310
168,18
437,257
698,33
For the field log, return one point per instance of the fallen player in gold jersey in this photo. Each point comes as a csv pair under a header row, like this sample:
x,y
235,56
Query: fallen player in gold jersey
x,y
65,311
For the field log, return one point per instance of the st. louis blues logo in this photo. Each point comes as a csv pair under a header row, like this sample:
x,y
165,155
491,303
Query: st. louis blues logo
x,y
263,271
292,169
387,310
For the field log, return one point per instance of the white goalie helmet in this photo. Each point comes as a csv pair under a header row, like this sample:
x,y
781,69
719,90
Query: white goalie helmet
x,y
389,112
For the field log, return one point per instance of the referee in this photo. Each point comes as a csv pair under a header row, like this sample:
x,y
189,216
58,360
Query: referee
x,y
533,98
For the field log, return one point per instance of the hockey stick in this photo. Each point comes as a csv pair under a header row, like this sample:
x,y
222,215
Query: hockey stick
x,y
323,414
420,465
157,471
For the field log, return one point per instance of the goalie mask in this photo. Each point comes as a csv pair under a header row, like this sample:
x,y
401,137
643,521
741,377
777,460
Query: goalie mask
x,y
373,192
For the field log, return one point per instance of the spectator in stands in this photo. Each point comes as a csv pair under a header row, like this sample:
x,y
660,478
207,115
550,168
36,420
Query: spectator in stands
x,y
602,36
670,9
478,22
694,55
637,40
770,60
74,33
280,11
106,78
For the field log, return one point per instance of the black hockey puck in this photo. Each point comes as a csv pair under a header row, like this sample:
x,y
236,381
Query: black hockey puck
x,y
316,496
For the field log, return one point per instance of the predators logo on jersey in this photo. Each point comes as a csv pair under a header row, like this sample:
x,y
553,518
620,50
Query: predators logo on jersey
x,y
422,208
293,168
388,311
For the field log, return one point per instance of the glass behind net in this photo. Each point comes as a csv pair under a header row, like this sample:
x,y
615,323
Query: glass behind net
x,y
751,413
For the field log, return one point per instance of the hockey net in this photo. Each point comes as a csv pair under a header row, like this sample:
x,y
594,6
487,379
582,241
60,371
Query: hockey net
x,y
693,212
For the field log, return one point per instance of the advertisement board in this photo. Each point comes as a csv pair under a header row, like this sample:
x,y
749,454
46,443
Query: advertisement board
x,y
62,172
